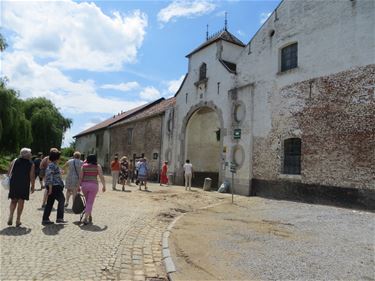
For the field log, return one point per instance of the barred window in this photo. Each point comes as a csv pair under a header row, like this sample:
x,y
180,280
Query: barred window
x,y
292,156
289,57
202,72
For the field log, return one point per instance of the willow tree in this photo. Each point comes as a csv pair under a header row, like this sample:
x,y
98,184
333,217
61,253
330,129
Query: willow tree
x,y
47,123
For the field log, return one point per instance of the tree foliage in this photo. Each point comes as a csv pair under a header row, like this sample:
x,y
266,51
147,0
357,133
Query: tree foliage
x,y
15,128
34,122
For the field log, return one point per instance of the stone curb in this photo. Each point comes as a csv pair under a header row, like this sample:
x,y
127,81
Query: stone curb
x,y
167,258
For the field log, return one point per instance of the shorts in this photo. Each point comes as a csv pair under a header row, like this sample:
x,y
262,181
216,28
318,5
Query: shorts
x,y
42,173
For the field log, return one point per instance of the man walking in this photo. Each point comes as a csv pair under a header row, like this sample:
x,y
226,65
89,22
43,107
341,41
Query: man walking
x,y
115,171
188,169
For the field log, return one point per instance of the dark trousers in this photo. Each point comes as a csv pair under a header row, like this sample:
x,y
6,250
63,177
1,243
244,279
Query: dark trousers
x,y
57,194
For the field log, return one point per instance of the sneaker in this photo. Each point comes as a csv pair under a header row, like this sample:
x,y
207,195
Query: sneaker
x,y
60,221
47,222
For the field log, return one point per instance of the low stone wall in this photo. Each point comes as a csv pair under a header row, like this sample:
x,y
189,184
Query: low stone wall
x,y
358,198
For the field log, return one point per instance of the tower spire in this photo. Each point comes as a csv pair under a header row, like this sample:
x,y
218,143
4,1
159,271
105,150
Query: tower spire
x,y
207,33
226,21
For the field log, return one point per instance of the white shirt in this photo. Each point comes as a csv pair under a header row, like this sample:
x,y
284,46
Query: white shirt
x,y
188,168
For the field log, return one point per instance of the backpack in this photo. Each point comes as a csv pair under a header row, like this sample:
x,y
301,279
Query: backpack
x,y
79,204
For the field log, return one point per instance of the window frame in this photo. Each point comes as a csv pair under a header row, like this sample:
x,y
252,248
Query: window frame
x,y
292,156
203,72
292,57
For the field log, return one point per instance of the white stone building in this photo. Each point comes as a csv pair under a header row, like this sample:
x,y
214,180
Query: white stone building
x,y
294,108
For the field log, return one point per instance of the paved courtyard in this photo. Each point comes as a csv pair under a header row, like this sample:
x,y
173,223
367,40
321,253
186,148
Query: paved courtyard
x,y
124,243
253,239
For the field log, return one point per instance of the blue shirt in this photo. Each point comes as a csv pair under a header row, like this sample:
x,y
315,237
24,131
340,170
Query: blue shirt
x,y
53,175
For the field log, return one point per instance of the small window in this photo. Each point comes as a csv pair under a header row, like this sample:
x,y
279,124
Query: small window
x,y
292,156
130,135
99,140
202,72
289,57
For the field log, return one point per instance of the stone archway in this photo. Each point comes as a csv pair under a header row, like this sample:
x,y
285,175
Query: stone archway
x,y
201,142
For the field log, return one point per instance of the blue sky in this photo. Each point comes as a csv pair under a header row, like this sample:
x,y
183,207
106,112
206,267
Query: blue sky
x,y
95,59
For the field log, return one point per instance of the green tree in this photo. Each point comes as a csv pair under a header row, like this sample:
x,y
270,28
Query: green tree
x,y
47,123
15,128
34,123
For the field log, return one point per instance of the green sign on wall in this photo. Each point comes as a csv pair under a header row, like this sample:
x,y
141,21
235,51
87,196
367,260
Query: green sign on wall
x,y
237,134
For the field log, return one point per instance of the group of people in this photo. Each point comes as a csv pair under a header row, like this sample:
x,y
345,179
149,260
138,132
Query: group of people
x,y
81,176
124,172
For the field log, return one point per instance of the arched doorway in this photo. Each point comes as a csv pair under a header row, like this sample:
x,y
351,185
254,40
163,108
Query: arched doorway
x,y
203,145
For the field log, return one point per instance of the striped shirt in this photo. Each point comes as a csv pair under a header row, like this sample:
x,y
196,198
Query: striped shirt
x,y
90,173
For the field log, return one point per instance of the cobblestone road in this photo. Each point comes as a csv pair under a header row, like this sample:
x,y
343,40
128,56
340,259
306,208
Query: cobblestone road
x,y
124,243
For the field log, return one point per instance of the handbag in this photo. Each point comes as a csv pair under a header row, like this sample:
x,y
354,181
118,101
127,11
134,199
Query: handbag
x,y
79,204
5,182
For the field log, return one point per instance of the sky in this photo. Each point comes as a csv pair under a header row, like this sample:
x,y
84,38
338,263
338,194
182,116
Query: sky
x,y
95,59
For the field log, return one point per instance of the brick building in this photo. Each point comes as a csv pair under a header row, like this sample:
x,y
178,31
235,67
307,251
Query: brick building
x,y
141,135
137,131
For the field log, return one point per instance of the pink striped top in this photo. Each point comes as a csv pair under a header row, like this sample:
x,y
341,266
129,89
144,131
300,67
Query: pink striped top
x,y
90,172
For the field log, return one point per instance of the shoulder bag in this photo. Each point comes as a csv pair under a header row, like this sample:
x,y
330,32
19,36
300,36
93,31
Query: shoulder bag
x,y
5,182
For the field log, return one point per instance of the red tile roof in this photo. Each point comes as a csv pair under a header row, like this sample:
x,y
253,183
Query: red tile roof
x,y
118,118
150,111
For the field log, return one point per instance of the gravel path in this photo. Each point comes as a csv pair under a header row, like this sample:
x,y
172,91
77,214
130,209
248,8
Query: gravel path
x,y
260,239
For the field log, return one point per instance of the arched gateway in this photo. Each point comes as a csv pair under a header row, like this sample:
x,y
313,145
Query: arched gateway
x,y
202,143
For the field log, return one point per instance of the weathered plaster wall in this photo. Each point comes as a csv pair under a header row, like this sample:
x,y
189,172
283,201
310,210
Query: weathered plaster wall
x,y
86,144
214,94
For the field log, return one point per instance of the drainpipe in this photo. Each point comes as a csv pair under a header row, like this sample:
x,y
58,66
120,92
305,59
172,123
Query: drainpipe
x,y
161,143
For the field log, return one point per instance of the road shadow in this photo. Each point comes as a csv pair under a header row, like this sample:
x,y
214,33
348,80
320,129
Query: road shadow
x,y
92,227
15,231
52,229
42,209
120,190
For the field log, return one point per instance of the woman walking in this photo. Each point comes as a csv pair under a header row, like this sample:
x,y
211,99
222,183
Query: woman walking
x,y
72,179
88,180
143,172
55,187
22,173
124,171
163,175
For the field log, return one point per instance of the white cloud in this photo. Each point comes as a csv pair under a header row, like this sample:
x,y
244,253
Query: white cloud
x,y
75,35
149,94
34,80
185,9
241,33
124,87
174,85
264,16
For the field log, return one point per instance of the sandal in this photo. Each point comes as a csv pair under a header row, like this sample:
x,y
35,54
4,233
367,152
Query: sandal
x,y
18,223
